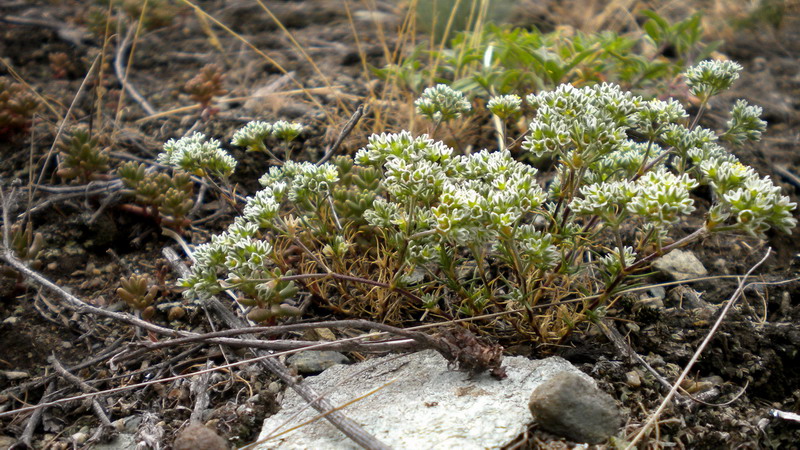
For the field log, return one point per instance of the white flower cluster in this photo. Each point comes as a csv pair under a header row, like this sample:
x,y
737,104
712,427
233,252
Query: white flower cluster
x,y
580,125
442,103
262,209
505,106
198,155
745,123
752,203
301,181
286,131
659,199
404,145
655,115
662,198
697,144
612,262
467,200
253,135
537,247
623,162
240,255
608,200
218,255
709,78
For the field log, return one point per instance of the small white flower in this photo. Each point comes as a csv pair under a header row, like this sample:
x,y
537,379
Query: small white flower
x,y
198,155
442,103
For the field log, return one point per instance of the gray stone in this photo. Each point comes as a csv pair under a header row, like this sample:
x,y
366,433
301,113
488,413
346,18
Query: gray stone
x,y
122,441
686,298
657,292
128,424
11,320
198,437
7,441
13,374
680,265
311,362
569,405
420,404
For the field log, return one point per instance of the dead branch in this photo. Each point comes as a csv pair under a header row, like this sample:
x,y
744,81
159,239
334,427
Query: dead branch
x,y
348,128
99,411
36,416
122,75
199,388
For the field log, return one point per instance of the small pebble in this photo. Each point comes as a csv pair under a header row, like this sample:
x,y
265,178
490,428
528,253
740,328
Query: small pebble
x,y
79,438
633,379
314,362
198,437
11,320
14,374
274,387
176,313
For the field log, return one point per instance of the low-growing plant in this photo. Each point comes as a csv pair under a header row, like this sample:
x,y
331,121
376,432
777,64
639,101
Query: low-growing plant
x,y
158,14
168,199
82,157
501,60
407,229
17,106
60,64
206,85
138,293
26,244
256,135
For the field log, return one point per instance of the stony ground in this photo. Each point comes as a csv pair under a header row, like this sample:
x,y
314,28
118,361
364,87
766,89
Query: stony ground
x,y
91,242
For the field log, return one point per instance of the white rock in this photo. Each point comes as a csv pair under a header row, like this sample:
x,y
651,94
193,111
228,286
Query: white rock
x,y
427,405
681,265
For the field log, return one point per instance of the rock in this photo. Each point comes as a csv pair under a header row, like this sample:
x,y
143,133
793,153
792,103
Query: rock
x,y
274,387
375,18
122,441
686,298
657,292
80,437
311,362
7,441
127,424
680,265
196,436
13,320
632,379
13,374
427,404
570,405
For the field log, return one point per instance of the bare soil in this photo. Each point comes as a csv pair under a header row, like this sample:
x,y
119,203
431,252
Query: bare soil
x,y
749,369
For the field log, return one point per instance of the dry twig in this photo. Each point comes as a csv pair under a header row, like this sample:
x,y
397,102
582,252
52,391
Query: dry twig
x,y
99,411
122,74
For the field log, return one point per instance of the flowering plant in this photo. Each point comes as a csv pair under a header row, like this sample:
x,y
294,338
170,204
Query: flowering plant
x,y
407,228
